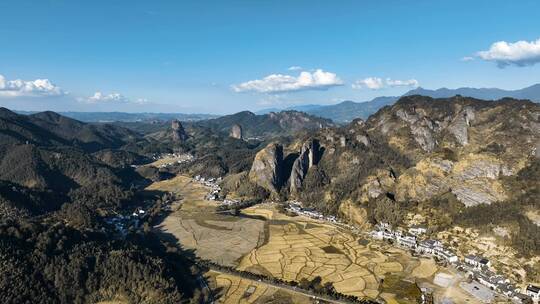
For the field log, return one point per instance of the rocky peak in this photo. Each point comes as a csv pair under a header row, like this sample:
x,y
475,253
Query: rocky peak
x,y
236,132
267,168
178,132
309,156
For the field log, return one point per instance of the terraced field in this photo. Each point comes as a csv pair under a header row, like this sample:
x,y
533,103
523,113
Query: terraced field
x,y
233,289
299,248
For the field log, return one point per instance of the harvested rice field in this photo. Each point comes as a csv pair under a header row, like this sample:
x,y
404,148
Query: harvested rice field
x,y
234,289
193,222
263,241
301,248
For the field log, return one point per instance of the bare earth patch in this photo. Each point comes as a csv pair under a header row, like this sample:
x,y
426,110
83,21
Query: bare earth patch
x,y
221,238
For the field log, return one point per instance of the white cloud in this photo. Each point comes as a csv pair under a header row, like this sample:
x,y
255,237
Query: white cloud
x,y
373,83
32,88
295,68
520,53
402,83
276,83
467,58
112,98
376,83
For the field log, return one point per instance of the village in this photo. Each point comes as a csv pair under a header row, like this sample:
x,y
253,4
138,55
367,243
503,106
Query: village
x,y
169,159
476,268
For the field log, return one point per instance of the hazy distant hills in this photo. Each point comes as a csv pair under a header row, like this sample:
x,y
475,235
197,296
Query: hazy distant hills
x,y
346,111
531,93
129,117
342,112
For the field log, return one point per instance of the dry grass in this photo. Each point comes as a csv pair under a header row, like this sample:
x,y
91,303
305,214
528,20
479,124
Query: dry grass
x,y
233,289
220,238
426,269
534,216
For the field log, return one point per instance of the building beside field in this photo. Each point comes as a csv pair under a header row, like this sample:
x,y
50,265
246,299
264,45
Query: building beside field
x,y
477,261
533,292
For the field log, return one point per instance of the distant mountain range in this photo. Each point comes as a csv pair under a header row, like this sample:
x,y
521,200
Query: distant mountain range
x,y
532,93
346,111
129,117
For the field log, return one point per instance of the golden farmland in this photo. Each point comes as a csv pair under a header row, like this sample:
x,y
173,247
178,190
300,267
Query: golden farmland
x,y
264,241
234,289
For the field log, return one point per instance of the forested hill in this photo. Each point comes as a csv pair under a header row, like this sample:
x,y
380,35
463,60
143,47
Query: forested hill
x,y
60,179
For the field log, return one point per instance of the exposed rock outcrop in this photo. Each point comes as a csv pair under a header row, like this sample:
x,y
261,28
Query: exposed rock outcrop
x,y
460,124
363,139
178,132
422,129
473,179
309,156
236,132
378,184
267,168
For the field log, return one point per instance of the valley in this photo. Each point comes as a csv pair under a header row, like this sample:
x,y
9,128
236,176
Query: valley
x,y
427,199
270,152
263,241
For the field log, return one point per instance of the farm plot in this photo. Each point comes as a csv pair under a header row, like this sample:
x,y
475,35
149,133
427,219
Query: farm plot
x,y
234,289
300,248
220,238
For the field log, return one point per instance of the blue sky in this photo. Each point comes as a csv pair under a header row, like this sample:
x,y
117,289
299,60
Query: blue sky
x,y
227,56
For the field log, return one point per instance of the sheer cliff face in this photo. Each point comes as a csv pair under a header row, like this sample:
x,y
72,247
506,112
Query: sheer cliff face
x,y
309,156
267,168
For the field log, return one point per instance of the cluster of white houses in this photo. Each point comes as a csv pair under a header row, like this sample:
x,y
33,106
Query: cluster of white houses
x,y
298,208
410,239
211,182
477,266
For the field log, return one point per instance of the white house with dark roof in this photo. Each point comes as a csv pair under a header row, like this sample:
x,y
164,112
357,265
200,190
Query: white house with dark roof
x,y
533,292
477,261
407,240
417,230
429,246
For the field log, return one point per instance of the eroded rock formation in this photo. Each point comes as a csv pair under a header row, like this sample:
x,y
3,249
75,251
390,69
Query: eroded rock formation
x,y
236,132
309,156
267,168
178,132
